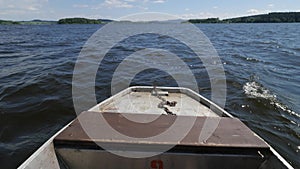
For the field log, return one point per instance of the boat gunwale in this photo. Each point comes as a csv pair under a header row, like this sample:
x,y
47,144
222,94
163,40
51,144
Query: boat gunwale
x,y
50,142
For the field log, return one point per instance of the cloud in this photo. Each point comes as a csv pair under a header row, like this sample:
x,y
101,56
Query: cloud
x,y
196,15
257,11
80,6
82,15
117,4
32,8
9,9
271,5
139,4
253,11
158,1
30,5
154,1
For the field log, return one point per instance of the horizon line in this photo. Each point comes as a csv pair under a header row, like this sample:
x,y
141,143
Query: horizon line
x,y
185,19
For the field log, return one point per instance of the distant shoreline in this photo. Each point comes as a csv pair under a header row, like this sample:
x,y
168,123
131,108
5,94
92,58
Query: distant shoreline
x,y
274,17
61,21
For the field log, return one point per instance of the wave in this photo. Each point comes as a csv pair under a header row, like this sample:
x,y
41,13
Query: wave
x,y
254,89
246,57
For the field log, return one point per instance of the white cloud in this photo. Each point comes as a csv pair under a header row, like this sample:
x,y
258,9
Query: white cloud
x,y
117,4
253,11
139,4
271,5
10,6
80,6
82,15
200,15
31,5
149,16
158,1
257,11
10,9
154,1
32,8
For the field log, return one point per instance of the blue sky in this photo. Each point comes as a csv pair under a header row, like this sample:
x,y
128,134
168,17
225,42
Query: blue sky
x,y
113,9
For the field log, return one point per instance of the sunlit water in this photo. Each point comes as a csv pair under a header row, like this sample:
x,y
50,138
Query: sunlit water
x,y
261,62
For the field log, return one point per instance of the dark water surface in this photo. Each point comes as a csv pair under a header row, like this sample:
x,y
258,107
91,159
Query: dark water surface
x,y
261,62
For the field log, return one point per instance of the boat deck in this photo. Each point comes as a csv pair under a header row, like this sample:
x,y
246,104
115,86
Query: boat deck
x,y
143,101
137,102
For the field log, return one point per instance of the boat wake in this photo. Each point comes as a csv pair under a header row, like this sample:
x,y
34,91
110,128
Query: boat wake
x,y
254,89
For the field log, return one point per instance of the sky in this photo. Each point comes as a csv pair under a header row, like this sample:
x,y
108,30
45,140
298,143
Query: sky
x,y
19,10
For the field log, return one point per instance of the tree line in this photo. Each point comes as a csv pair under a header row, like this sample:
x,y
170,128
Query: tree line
x,y
275,17
78,21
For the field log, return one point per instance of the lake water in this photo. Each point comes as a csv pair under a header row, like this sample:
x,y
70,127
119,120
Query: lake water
x,y
261,62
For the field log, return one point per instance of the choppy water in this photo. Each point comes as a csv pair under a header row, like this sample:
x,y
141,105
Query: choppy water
x,y
261,62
